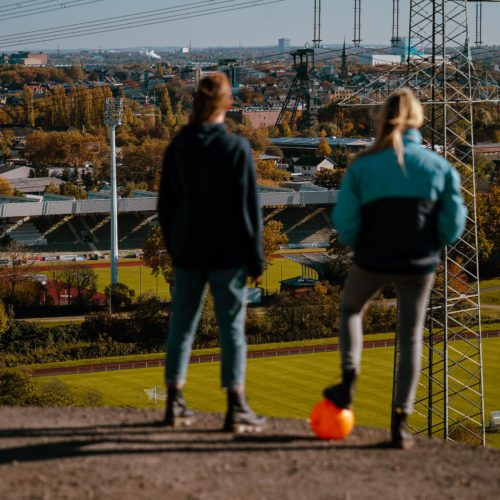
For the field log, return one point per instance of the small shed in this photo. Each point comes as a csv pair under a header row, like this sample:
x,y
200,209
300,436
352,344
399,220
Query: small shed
x,y
298,285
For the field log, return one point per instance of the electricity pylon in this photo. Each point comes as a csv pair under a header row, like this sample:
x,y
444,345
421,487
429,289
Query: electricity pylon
x,y
438,66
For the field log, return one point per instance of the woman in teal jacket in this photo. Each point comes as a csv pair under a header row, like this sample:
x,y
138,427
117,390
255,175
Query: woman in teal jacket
x,y
399,205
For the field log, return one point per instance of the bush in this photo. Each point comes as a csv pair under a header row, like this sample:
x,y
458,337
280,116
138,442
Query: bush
x,y
18,389
56,393
93,398
121,296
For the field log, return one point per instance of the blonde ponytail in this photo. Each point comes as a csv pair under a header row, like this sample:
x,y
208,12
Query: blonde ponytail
x,y
400,112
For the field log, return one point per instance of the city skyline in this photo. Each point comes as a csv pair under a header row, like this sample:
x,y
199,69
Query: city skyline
x,y
258,26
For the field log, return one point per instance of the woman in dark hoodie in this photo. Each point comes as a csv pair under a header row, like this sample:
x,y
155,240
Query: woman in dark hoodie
x,y
211,221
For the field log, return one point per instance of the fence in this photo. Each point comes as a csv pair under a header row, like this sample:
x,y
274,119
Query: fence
x,y
212,358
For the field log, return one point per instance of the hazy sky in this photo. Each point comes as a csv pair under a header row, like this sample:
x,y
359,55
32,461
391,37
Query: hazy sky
x,y
257,26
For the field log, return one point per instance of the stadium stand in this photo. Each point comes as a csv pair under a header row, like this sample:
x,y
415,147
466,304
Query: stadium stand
x,y
65,226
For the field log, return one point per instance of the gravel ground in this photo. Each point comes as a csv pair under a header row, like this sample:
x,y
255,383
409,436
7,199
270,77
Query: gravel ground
x,y
122,454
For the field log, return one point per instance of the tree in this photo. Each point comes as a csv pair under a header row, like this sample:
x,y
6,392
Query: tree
x,y
6,138
267,170
6,188
180,116
18,389
52,188
29,109
75,72
15,273
4,318
143,162
157,257
324,148
329,179
273,239
85,283
70,189
488,218
167,114
120,295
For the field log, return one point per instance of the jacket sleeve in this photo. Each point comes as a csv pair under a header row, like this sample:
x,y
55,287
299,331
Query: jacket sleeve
x,y
252,213
166,202
347,212
452,211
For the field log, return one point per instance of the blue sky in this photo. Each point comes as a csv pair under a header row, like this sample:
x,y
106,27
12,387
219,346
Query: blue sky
x,y
257,26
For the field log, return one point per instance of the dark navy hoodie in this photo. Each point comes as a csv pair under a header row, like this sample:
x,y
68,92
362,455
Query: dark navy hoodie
x,y
209,209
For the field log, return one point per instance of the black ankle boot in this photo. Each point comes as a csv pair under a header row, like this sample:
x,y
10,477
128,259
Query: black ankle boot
x,y
240,417
177,413
401,437
342,395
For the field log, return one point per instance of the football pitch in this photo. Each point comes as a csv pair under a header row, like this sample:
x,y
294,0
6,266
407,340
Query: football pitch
x,y
142,281
282,387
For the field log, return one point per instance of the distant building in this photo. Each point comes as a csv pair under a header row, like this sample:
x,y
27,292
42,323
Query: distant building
x,y
414,46
257,117
489,150
309,166
380,59
284,45
340,93
28,59
344,67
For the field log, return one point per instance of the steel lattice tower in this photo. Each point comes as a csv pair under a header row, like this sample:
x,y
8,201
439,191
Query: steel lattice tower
x,y
450,400
438,66
301,93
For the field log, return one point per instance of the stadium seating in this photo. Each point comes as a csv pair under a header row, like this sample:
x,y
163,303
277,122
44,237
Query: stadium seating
x,y
305,227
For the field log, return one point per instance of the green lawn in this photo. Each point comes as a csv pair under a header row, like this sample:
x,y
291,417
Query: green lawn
x,y
141,280
490,296
283,386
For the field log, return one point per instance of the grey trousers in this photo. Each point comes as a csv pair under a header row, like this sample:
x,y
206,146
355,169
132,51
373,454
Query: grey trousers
x,y
413,294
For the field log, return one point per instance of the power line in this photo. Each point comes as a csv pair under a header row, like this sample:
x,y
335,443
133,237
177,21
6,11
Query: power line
x,y
23,5
110,19
140,19
49,8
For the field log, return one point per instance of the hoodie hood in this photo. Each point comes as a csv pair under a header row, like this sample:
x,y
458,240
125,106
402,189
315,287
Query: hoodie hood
x,y
203,135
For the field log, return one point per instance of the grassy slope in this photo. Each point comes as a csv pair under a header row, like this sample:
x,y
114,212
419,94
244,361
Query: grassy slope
x,y
284,387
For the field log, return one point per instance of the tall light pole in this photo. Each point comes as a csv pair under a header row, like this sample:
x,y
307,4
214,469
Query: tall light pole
x,y
113,117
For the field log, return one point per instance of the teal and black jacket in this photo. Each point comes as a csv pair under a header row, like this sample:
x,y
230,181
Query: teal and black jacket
x,y
398,219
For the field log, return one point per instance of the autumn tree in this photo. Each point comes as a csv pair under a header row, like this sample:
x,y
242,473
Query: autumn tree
x,y
267,171
273,239
29,109
70,189
75,72
329,179
167,114
324,148
6,188
181,118
143,162
4,318
157,257
488,218
6,138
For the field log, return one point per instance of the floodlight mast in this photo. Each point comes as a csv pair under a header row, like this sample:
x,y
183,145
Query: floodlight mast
x,y
113,118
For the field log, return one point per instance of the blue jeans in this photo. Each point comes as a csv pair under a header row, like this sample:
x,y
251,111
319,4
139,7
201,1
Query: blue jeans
x,y
228,287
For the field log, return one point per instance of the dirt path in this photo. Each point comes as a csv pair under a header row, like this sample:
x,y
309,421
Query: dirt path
x,y
120,454
211,358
